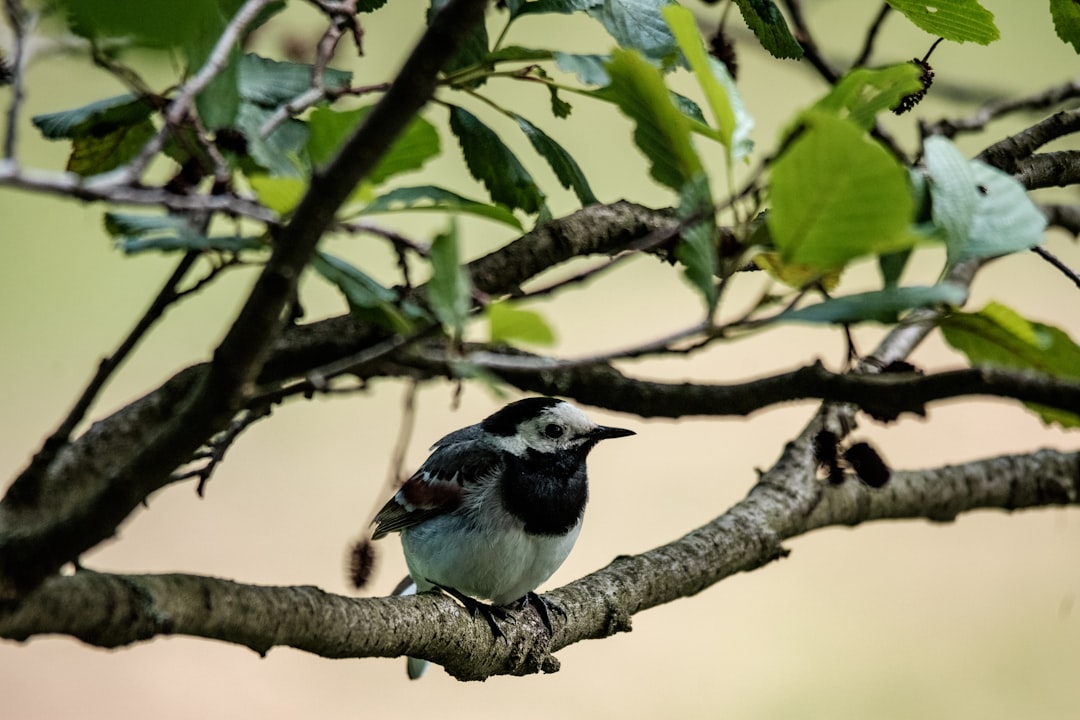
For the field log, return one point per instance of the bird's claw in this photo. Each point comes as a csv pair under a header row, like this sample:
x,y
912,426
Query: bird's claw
x,y
543,607
491,613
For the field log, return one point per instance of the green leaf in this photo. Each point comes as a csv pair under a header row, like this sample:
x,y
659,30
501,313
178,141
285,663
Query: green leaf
x,y
661,131
280,194
280,152
883,306
430,197
956,20
517,53
367,299
637,25
473,48
93,154
509,324
982,211
449,291
862,93
837,195
564,166
169,233
727,108
998,336
590,69
891,265
219,102
270,83
1066,15
328,129
767,22
97,119
559,107
369,5
491,162
696,249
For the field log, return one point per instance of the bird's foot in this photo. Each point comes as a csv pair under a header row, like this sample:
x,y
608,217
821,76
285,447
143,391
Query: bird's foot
x,y
491,613
543,607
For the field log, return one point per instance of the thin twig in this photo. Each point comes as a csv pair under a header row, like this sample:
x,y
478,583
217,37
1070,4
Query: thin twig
x,y
70,185
871,36
220,444
809,45
183,104
22,23
1056,262
951,127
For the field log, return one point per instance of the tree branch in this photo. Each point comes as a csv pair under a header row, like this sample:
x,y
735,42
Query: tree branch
x,y
117,610
84,495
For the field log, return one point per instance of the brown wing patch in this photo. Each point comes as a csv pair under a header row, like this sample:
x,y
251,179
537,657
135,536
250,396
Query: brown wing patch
x,y
419,499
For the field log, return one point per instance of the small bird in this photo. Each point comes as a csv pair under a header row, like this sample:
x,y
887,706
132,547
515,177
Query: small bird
x,y
496,507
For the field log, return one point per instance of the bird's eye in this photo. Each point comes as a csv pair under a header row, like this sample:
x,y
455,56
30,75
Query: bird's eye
x,y
553,431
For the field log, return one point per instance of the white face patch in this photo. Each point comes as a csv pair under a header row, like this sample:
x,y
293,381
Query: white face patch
x,y
557,429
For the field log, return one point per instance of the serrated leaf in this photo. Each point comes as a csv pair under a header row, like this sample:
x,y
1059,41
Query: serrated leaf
x,y
837,195
189,241
883,306
732,120
280,194
661,131
219,102
862,93
98,118
559,107
430,197
637,25
491,162
590,69
696,248
367,298
449,291
280,153
956,20
565,167
997,335
767,22
270,83
93,154
510,324
1066,15
328,129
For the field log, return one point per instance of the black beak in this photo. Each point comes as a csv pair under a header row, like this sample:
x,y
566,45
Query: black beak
x,y
603,432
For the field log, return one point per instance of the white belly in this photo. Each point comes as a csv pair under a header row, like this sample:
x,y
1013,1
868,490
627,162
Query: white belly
x,y
499,564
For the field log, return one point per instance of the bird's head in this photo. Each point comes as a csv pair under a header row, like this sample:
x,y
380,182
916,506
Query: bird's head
x,y
546,425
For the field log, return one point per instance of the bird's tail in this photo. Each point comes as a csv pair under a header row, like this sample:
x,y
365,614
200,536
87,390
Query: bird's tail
x,y
414,666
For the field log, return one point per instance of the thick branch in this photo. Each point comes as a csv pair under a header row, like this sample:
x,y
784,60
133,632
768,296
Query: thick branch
x,y
91,493
116,610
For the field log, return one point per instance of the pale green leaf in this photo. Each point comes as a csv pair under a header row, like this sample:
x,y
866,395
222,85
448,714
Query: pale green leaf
x,y
328,129
449,291
661,131
684,27
862,93
637,25
837,195
510,324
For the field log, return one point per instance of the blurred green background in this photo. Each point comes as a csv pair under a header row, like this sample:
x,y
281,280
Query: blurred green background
x,y
976,618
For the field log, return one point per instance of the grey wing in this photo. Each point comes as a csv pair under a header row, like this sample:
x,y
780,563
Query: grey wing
x,y
439,486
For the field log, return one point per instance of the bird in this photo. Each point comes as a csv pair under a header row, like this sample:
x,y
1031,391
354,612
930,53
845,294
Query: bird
x,y
496,508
